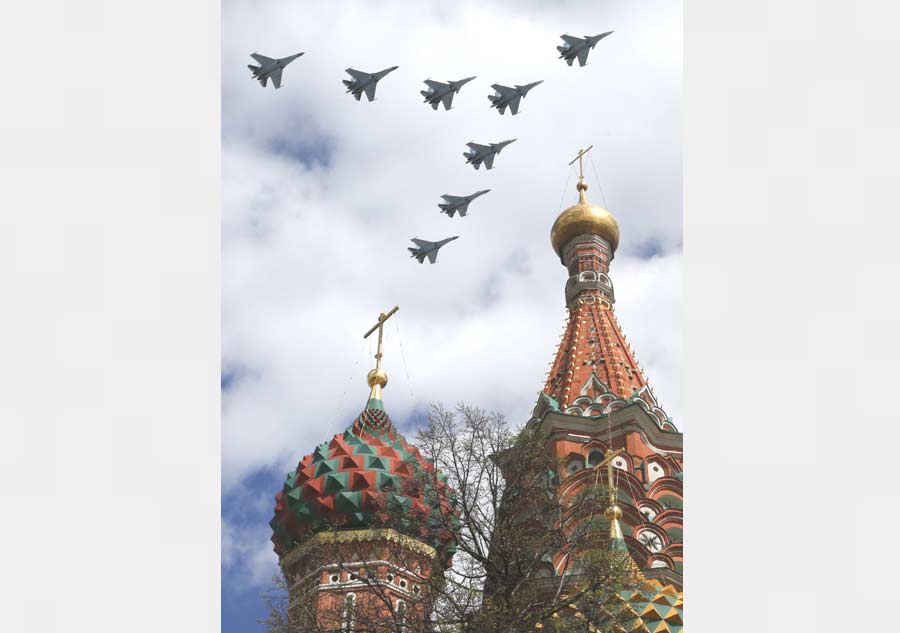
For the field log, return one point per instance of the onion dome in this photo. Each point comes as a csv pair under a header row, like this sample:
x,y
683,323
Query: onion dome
x,y
583,218
369,476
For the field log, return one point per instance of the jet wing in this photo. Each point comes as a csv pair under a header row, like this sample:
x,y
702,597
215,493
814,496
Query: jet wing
x,y
447,99
432,256
477,147
582,56
262,59
503,90
370,91
435,85
571,40
276,77
463,209
450,198
358,75
421,243
489,160
514,105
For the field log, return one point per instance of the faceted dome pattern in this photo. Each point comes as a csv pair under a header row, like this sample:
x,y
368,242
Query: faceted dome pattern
x,y
367,476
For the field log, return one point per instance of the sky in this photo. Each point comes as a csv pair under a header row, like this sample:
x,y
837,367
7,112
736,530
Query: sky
x,y
321,195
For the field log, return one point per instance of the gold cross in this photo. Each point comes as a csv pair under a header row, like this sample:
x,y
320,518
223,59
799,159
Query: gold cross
x,y
380,327
608,462
581,153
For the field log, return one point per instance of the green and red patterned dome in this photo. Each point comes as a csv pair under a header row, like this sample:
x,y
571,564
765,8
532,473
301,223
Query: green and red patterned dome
x,y
366,477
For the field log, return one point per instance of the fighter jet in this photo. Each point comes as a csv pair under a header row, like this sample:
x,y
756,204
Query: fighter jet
x,y
484,153
507,96
459,204
270,68
428,249
365,82
442,92
578,47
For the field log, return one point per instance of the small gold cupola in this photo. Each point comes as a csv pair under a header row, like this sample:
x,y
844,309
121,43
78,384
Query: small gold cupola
x,y
583,218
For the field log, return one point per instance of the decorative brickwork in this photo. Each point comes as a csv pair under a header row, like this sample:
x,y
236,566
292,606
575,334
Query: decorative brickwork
x,y
596,398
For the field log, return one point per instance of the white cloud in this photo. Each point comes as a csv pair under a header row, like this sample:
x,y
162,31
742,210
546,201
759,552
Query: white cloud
x,y
322,193
247,556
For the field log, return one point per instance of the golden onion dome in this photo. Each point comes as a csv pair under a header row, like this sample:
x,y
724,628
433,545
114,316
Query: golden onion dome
x,y
584,218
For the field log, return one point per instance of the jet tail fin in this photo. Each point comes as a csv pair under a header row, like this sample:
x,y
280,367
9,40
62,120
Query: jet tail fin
x,y
444,206
425,93
252,67
413,251
562,49
347,82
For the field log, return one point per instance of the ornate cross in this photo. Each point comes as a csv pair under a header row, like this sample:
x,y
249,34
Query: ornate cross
x,y
579,157
608,462
380,327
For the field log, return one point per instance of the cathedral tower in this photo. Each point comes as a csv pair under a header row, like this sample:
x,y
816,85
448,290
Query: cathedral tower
x,y
354,526
597,404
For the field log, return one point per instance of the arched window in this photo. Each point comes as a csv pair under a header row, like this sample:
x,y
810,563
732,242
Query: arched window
x,y
348,619
574,466
595,457
655,470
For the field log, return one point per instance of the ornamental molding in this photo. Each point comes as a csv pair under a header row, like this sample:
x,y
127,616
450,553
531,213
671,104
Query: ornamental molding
x,y
605,401
357,536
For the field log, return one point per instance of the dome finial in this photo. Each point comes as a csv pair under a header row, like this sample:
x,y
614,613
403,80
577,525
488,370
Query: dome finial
x,y
613,511
581,187
582,217
377,378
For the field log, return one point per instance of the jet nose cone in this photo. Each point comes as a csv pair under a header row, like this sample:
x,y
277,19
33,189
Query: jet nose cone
x,y
393,68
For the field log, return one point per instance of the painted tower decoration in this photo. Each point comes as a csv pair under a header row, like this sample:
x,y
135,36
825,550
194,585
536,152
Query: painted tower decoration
x,y
597,408
351,524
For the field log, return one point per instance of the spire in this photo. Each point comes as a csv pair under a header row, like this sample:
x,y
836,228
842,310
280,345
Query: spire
x,y
594,363
378,378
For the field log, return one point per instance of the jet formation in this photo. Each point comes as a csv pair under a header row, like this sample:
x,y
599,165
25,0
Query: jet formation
x,y
424,248
578,47
365,82
479,154
442,93
509,97
439,93
459,204
270,68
